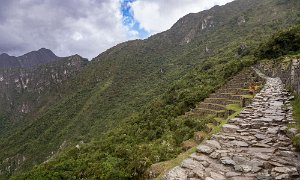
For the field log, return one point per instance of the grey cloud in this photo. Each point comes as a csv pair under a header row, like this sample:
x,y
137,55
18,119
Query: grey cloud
x,y
85,27
157,15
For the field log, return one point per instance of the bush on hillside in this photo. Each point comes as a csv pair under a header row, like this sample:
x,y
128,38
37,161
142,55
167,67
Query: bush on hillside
x,y
281,43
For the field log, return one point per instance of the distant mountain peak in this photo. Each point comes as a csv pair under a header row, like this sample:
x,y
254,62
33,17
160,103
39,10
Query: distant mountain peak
x,y
41,56
45,50
41,51
33,58
4,54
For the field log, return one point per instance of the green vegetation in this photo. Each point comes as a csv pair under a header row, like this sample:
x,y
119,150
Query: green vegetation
x,y
149,137
127,105
282,43
146,141
234,107
296,114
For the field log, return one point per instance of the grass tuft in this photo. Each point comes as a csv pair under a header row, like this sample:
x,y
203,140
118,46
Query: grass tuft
x,y
296,115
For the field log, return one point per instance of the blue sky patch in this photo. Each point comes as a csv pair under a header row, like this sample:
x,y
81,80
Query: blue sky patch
x,y
129,21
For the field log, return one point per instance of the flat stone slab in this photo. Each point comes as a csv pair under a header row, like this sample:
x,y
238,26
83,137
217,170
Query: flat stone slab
x,y
204,149
191,164
240,143
213,143
177,173
229,128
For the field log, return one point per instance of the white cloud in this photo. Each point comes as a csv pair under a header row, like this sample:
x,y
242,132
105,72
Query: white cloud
x,y
85,27
159,15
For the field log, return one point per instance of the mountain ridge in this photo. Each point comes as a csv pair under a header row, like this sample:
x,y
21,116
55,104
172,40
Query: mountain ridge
x,y
27,60
23,89
125,105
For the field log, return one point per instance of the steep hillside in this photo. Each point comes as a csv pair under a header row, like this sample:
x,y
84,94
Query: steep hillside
x,y
42,56
143,86
23,91
285,42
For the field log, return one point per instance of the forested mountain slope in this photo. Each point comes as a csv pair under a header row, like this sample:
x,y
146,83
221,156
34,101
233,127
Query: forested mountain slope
x,y
25,90
142,86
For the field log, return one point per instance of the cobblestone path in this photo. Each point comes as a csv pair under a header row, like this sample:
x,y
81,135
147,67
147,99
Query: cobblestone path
x,y
253,145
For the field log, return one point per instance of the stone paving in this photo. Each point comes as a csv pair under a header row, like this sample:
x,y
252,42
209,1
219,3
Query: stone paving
x,y
253,145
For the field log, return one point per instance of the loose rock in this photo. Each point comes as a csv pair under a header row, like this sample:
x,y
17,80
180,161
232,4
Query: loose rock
x,y
204,149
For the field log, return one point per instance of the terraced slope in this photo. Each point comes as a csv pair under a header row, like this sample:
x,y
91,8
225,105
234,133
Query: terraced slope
x,y
236,91
254,145
217,108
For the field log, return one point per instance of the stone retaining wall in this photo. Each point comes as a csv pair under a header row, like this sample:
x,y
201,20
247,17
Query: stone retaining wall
x,y
288,70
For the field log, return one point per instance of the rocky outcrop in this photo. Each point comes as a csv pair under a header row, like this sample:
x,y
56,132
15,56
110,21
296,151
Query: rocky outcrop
x,y
254,145
23,89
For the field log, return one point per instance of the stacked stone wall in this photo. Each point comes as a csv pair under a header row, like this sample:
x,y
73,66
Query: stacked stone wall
x,y
287,70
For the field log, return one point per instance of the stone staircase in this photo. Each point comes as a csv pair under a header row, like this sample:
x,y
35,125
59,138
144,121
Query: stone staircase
x,y
256,144
236,91
217,108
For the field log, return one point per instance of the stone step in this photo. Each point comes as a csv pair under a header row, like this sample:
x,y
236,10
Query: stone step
x,y
228,96
243,84
221,95
239,84
205,112
243,79
237,91
212,106
237,97
221,101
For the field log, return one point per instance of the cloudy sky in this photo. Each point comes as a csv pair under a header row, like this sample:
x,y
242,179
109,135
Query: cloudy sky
x,y
87,27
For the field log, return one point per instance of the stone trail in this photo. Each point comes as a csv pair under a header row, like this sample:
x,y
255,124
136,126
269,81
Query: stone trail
x,y
253,145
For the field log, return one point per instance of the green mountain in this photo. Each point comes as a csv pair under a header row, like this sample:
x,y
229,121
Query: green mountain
x,y
122,111
25,91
